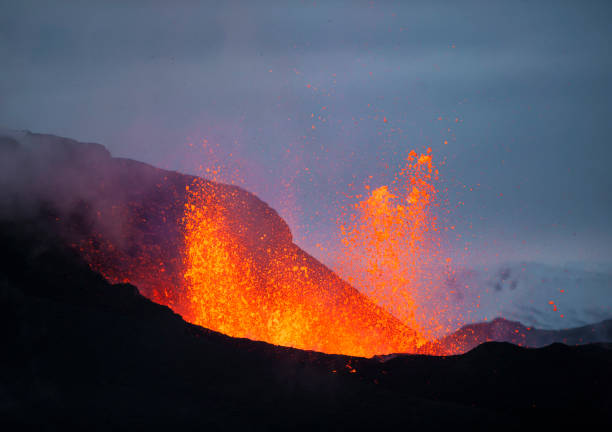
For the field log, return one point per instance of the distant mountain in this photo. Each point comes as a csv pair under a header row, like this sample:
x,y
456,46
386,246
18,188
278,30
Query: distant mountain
x,y
501,330
537,295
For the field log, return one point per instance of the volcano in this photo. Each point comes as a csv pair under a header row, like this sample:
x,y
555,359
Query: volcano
x,y
128,221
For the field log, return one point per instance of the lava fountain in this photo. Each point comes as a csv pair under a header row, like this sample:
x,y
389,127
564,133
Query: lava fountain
x,y
274,291
392,247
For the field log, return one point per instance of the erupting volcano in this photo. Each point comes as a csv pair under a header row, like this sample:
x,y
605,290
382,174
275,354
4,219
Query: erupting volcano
x,y
223,259
236,270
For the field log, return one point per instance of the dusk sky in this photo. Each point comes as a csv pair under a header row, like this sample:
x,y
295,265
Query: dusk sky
x,y
290,99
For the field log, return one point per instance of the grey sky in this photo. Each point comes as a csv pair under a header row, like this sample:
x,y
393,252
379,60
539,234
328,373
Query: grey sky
x,y
523,89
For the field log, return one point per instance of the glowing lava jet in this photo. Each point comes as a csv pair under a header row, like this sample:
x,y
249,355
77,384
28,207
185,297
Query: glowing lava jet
x,y
391,248
266,288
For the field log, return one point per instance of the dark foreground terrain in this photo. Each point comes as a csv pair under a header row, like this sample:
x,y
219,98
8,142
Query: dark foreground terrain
x,y
78,353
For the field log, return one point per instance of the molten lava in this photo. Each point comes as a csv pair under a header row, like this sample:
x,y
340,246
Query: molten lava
x,y
276,294
392,247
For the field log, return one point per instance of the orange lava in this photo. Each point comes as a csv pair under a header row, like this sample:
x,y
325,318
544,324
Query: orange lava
x,y
279,295
391,247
